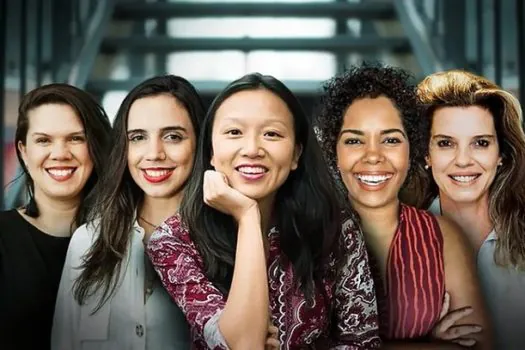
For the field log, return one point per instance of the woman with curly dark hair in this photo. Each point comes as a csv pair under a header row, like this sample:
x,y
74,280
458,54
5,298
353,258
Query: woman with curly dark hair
x,y
369,130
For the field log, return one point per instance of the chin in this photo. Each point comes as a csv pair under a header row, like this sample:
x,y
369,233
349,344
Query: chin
x,y
466,197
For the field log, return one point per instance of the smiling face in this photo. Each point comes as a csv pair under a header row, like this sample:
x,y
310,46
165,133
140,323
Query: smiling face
x,y
161,144
56,152
372,152
463,152
253,141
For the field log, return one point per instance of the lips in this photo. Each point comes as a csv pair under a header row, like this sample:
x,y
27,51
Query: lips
x,y
61,173
157,175
252,172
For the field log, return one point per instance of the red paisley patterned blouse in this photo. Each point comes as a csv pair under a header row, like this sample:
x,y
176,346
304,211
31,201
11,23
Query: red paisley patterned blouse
x,y
352,322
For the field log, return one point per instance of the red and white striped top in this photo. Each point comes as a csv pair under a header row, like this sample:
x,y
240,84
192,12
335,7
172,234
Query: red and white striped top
x,y
410,304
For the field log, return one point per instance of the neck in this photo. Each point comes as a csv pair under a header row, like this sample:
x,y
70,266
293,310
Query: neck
x,y
472,217
154,211
379,224
56,216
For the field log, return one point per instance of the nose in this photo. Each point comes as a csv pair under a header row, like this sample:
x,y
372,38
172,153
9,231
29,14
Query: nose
x,y
463,158
60,151
155,150
373,154
251,147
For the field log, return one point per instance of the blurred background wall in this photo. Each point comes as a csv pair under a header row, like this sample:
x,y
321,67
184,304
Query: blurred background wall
x,y
108,46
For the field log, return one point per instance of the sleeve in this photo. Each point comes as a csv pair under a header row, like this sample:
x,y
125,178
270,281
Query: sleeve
x,y
66,319
181,271
355,319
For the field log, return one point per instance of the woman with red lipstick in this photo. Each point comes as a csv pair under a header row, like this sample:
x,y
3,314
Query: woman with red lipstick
x,y
475,163
258,235
109,296
369,131
62,137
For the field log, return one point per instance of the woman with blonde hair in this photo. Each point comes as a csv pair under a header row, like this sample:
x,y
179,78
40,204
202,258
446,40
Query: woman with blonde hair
x,y
475,176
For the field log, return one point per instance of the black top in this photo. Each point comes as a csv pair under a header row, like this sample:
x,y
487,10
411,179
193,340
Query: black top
x,y
31,263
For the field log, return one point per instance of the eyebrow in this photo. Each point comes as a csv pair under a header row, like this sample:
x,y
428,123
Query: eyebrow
x,y
242,120
81,132
166,129
383,132
441,136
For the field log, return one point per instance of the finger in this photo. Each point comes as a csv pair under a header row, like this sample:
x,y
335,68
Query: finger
x,y
452,317
457,332
274,343
465,342
273,330
446,306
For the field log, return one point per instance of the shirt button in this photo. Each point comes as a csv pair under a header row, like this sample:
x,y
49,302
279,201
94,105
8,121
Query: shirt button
x,y
139,330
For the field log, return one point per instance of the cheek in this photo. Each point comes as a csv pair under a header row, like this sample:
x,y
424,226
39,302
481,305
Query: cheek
x,y
181,155
35,156
344,156
440,160
133,155
489,161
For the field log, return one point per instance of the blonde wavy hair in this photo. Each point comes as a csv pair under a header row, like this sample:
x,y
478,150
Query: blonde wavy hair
x,y
456,88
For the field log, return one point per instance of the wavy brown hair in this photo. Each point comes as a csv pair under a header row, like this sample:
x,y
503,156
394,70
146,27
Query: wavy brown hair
x,y
456,88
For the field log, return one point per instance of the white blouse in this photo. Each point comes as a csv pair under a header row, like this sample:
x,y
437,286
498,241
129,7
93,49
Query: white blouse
x,y
125,321
504,292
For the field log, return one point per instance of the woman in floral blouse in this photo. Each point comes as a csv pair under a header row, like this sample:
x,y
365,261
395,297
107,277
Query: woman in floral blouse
x,y
257,256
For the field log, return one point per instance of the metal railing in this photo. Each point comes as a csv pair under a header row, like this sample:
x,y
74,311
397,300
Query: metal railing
x,y
483,36
44,41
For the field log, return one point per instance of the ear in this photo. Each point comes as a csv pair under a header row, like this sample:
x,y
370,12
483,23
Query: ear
x,y
296,155
22,149
427,160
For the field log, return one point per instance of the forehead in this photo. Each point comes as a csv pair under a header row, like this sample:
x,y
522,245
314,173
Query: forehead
x,y
54,118
462,121
254,107
372,113
159,111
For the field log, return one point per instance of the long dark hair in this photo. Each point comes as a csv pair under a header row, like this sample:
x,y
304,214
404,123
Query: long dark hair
x,y
118,196
306,210
96,127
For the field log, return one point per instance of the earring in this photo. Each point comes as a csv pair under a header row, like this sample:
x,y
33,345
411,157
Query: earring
x,y
427,166
500,163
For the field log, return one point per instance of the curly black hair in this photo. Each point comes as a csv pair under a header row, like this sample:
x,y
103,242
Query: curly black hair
x,y
370,80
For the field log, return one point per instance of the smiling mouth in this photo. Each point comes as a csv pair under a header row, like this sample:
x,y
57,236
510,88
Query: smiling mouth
x,y
464,179
373,180
61,174
157,172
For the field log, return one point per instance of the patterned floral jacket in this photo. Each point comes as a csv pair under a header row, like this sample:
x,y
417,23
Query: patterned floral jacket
x,y
344,315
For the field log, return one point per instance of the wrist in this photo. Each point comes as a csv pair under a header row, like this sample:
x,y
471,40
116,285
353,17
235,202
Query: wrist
x,y
250,216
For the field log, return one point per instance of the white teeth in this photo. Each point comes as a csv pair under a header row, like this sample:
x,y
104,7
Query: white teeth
x,y
464,179
61,172
251,170
157,173
373,179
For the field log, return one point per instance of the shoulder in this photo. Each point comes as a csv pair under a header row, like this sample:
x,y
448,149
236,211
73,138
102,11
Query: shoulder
x,y
352,239
172,231
9,220
449,229
83,238
419,220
